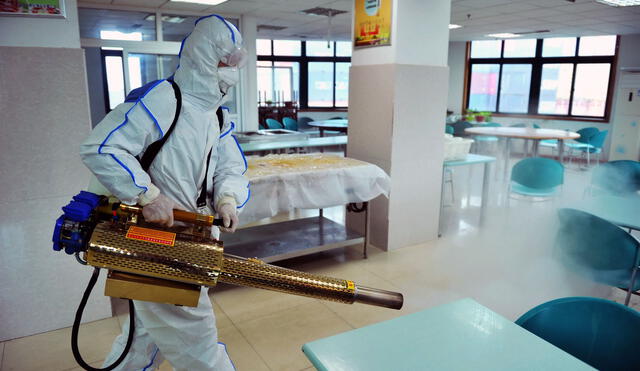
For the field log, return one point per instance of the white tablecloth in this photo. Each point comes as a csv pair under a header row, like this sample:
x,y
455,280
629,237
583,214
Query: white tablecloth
x,y
281,183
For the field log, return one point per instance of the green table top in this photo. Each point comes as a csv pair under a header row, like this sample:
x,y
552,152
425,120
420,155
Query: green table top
x,y
310,142
462,335
622,211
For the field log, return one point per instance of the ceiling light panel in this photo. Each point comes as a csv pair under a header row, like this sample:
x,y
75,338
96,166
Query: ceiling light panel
x,y
503,35
206,2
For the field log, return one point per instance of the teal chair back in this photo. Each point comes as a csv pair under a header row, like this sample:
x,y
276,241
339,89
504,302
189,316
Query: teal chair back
x,y
290,124
598,140
586,134
536,126
538,173
597,249
303,123
459,128
601,333
273,124
449,129
518,126
617,177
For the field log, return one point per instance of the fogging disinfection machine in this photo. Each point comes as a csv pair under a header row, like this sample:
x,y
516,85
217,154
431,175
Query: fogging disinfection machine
x,y
149,263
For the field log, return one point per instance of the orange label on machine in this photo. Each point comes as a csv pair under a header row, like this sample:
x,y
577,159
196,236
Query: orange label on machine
x,y
151,235
351,286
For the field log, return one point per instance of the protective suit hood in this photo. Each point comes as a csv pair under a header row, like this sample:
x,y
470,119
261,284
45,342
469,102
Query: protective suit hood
x,y
213,40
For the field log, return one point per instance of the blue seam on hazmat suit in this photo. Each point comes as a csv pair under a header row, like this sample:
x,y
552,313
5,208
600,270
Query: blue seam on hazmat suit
x,y
126,119
246,166
248,197
225,350
152,359
153,118
233,36
233,126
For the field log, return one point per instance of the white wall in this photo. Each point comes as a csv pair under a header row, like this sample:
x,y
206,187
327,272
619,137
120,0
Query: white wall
x,y
44,32
45,115
249,86
457,53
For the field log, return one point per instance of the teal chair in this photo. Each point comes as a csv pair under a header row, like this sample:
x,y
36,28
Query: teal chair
x,y
601,333
518,126
536,177
586,134
592,144
303,123
449,129
536,126
620,178
598,250
290,124
274,124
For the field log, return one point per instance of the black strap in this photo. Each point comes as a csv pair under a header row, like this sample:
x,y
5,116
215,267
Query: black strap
x,y
202,199
152,151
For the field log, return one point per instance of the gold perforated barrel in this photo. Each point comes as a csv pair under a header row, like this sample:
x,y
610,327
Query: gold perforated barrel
x,y
254,273
159,254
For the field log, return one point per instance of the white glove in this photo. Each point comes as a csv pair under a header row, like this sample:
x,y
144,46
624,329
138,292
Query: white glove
x,y
160,210
227,211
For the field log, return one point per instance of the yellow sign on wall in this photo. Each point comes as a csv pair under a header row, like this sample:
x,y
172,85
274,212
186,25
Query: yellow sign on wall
x,y
372,26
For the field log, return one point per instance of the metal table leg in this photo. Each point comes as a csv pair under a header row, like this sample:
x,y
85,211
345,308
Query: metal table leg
x,y
485,192
561,150
507,150
366,229
536,147
441,203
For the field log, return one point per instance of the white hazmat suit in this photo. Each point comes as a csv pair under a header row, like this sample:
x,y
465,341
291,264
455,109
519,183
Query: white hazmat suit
x,y
186,337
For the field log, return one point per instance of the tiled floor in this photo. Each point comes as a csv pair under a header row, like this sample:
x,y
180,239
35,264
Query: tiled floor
x,y
507,266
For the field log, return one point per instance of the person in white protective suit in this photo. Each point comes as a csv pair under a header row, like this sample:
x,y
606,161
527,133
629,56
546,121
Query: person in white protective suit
x,y
209,60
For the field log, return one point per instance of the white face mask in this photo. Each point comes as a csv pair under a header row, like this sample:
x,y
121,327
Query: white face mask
x,y
227,78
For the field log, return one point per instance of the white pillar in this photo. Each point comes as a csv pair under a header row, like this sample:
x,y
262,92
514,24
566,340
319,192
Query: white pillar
x,y
249,87
397,110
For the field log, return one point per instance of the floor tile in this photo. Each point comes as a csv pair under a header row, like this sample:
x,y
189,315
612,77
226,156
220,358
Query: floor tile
x,y
53,348
222,320
97,364
279,337
1,353
241,304
244,357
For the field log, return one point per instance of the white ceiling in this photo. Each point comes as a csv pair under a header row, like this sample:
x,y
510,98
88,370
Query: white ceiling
x,y
478,17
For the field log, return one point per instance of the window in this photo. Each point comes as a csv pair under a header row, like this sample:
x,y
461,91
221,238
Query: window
x,y
115,80
312,73
287,47
563,77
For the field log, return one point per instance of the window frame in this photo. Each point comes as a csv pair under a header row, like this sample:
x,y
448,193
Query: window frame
x,y
537,63
304,60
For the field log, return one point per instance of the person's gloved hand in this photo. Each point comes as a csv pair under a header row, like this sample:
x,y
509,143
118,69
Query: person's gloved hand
x,y
160,210
227,211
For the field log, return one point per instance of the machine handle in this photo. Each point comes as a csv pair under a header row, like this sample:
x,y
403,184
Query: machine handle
x,y
195,218
180,215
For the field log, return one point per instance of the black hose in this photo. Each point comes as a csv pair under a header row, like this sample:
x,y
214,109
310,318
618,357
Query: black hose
x,y
76,328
